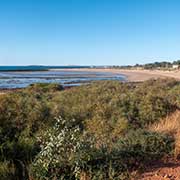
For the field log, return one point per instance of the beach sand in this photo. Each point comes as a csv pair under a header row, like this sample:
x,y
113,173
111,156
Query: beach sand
x,y
136,75
131,75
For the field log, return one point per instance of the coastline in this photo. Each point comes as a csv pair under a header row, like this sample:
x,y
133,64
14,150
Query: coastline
x,y
135,75
129,75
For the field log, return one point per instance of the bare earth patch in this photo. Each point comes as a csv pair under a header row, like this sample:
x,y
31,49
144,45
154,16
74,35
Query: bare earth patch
x,y
162,171
170,169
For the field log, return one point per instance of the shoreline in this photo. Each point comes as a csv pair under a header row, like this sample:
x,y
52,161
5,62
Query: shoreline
x,y
129,75
135,75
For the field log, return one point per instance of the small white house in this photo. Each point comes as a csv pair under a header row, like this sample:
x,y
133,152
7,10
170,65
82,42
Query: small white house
x,y
175,66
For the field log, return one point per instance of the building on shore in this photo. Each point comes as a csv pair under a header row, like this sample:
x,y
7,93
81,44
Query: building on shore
x,y
175,66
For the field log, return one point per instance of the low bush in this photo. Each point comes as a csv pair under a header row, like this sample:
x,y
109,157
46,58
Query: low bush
x,y
45,87
108,115
171,126
143,146
7,170
67,154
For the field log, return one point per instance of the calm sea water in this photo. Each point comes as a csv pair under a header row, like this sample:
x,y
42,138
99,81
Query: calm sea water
x,y
37,68
20,79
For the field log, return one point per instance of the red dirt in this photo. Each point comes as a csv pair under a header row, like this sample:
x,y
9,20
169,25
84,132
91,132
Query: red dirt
x,y
169,170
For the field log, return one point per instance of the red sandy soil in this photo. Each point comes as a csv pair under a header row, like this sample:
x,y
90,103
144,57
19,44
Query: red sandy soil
x,y
169,170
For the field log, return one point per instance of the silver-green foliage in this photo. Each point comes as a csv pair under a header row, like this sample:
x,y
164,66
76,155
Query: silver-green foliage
x,y
63,151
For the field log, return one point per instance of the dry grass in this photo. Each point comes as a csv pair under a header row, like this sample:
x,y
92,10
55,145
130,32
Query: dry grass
x,y
170,125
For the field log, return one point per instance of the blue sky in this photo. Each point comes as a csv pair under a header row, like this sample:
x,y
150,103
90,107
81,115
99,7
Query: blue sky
x,y
88,32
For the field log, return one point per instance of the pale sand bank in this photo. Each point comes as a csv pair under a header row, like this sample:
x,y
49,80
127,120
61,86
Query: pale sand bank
x,y
131,75
136,75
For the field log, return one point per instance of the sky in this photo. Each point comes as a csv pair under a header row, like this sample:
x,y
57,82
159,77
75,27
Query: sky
x,y
89,32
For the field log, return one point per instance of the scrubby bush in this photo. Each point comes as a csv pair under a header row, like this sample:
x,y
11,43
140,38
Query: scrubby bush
x,y
45,87
143,146
63,152
171,126
22,115
7,170
108,114
109,104
66,154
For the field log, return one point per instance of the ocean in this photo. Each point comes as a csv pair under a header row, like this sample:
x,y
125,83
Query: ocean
x,y
37,68
22,76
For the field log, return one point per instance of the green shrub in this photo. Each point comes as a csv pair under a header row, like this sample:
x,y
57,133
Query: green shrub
x,y
108,112
142,146
67,154
7,170
45,87
63,152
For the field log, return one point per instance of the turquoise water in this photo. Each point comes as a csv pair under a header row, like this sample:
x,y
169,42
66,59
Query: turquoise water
x,y
21,79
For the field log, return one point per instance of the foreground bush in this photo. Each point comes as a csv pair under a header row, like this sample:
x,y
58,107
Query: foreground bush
x,y
7,170
171,126
63,153
144,146
108,115
66,154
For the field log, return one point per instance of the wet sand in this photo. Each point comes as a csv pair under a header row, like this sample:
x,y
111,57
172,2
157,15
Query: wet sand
x,y
131,75
137,75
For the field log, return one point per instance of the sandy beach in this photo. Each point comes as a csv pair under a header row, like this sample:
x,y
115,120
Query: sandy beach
x,y
131,75
137,75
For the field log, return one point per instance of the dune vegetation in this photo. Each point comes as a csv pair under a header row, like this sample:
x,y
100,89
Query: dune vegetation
x,y
103,130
